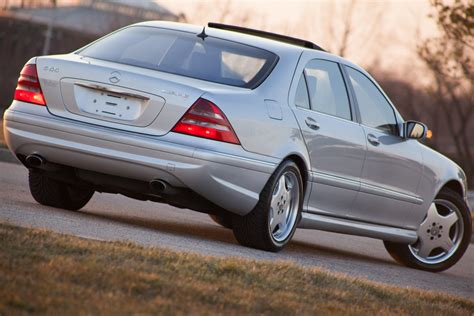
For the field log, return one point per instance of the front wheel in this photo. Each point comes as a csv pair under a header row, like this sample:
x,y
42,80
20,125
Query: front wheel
x,y
272,223
443,236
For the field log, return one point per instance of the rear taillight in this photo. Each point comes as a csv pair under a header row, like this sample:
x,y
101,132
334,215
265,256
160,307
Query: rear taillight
x,y
205,119
28,88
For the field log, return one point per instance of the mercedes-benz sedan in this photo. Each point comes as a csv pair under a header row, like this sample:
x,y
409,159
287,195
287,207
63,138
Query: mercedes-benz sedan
x,y
264,132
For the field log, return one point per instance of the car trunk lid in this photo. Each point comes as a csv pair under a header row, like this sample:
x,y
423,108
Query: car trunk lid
x,y
114,95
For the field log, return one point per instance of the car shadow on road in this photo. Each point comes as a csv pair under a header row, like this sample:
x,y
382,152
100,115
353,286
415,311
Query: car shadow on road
x,y
208,231
302,247
214,233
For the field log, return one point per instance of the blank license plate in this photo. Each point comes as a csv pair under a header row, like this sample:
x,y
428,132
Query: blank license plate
x,y
111,105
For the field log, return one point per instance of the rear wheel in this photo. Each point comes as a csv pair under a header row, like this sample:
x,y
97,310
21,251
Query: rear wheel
x,y
272,223
51,192
443,236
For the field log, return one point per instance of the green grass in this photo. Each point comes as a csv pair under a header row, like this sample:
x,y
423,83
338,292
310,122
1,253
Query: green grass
x,y
46,273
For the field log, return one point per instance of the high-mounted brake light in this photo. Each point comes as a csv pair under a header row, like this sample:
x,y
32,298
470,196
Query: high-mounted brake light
x,y
28,88
205,119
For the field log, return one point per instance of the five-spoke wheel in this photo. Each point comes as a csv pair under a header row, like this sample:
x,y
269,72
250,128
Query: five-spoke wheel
x,y
284,206
440,234
273,221
443,236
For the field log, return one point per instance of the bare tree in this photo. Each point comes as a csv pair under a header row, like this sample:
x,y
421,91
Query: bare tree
x,y
347,28
5,5
222,11
333,25
449,58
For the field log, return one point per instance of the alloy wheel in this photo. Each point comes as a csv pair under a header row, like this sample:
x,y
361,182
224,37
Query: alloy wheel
x,y
284,206
440,234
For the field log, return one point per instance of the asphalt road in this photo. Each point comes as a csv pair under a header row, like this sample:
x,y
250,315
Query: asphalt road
x,y
114,217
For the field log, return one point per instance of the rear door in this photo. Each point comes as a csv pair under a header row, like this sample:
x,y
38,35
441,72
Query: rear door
x,y
335,142
393,165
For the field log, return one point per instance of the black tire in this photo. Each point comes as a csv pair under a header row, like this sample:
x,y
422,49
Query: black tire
x,y
402,254
224,221
51,192
252,230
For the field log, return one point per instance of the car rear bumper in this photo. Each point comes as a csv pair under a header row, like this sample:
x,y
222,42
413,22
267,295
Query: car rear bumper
x,y
225,174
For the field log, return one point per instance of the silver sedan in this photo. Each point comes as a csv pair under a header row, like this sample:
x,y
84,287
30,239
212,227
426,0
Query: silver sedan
x,y
264,132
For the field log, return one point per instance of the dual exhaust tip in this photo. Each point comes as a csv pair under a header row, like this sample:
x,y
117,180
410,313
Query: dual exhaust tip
x,y
158,186
36,161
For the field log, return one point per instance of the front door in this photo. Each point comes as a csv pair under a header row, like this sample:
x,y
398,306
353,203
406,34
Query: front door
x,y
393,165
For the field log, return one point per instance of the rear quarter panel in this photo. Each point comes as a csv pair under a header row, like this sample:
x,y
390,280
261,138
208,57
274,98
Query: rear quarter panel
x,y
261,118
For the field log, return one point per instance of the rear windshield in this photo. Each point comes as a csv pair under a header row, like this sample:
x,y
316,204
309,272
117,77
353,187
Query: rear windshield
x,y
186,54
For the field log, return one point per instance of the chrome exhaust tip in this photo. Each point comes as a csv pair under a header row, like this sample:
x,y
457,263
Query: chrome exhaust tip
x,y
158,186
35,161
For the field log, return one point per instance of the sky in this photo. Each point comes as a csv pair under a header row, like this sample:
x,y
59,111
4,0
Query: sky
x,y
384,34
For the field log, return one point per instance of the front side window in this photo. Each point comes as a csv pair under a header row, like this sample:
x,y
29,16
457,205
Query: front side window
x,y
327,90
186,54
375,111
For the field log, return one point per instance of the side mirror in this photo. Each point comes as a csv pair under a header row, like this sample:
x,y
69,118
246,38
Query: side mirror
x,y
414,130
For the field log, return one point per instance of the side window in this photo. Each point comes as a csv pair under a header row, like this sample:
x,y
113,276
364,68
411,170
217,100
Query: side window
x,y
375,111
327,90
302,97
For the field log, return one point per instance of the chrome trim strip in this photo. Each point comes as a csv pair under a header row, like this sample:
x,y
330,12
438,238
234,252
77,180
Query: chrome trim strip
x,y
376,190
351,184
106,89
335,181
344,226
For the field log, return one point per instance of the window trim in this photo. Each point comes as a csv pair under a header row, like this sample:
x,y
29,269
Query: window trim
x,y
307,92
351,92
349,97
397,123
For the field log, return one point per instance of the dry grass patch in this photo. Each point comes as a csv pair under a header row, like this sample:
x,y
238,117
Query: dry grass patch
x,y
47,273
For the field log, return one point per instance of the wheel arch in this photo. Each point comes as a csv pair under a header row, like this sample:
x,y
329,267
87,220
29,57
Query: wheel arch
x,y
453,185
302,166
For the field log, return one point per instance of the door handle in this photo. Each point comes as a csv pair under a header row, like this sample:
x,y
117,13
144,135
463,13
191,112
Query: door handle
x,y
312,123
373,139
